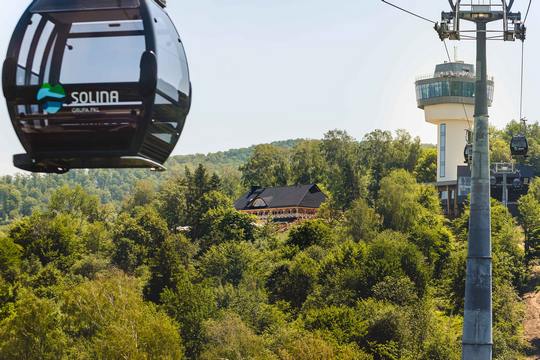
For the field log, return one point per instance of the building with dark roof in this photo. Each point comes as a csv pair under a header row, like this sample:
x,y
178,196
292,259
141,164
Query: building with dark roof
x,y
282,204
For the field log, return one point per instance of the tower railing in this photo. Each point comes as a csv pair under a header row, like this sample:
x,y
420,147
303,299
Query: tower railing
x,y
446,75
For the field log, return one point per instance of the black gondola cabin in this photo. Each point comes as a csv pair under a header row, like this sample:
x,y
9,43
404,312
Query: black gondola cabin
x,y
96,84
519,146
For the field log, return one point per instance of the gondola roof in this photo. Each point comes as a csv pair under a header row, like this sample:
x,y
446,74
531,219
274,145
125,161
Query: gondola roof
x,y
45,6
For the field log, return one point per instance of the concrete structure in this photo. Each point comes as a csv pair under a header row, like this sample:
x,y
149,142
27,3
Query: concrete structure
x,y
447,98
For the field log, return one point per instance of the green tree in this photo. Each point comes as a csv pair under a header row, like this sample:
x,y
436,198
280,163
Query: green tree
x,y
107,319
230,338
76,202
201,195
307,163
138,237
174,257
226,224
397,290
500,151
309,346
346,180
268,166
250,301
508,315
34,331
361,221
344,324
143,193
391,255
426,168
171,202
508,254
97,238
228,262
529,209
311,232
399,201
190,304
50,239
294,281
10,201
10,258
382,153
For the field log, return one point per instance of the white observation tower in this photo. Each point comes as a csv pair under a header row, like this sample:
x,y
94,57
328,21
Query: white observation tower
x,y
447,98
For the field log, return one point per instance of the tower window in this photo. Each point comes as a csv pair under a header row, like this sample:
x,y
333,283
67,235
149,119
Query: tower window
x,y
442,150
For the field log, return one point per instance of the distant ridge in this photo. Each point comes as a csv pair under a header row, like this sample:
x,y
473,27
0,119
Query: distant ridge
x,y
232,157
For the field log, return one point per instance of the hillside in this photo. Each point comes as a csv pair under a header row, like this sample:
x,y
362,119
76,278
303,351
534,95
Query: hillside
x,y
96,264
231,158
21,193
532,317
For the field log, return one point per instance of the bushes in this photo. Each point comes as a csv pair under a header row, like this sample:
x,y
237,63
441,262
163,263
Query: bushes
x,y
34,331
230,338
108,319
309,233
104,318
384,279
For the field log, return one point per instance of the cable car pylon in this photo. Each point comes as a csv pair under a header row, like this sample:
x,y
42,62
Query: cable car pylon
x,y
478,316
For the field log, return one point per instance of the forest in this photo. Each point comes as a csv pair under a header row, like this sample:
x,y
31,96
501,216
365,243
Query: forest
x,y
108,264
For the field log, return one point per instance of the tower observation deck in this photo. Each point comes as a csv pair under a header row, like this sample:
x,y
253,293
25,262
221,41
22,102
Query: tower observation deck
x,y
447,98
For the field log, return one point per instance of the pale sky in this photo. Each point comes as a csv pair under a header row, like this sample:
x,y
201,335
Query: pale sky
x,y
274,70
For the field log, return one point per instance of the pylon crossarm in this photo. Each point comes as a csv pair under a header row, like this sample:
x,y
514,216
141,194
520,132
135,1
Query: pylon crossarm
x,y
450,26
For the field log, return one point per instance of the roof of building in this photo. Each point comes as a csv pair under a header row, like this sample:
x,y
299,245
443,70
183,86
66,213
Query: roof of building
x,y
308,196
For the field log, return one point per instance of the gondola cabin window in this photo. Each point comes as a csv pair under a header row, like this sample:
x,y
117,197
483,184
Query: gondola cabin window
x,y
103,53
172,63
28,67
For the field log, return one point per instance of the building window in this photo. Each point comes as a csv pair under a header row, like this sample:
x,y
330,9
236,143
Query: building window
x,y
444,195
258,203
464,186
442,150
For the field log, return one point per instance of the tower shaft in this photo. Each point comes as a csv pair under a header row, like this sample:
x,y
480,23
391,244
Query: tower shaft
x,y
478,322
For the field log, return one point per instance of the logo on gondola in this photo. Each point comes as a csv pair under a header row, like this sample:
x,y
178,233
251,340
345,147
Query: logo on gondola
x,y
52,97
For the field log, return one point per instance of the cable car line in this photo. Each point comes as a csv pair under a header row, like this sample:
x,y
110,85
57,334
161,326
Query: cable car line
x,y
463,104
522,80
447,52
519,145
527,13
409,12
